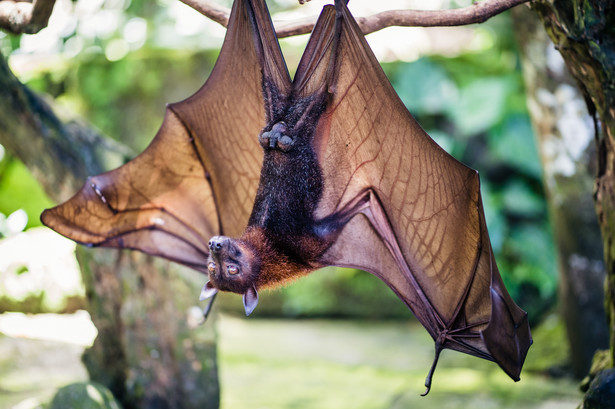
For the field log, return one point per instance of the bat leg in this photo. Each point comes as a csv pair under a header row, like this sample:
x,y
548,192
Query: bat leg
x,y
439,349
368,204
331,226
276,138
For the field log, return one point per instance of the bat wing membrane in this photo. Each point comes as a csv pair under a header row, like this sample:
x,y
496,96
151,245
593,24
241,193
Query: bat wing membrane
x,y
423,232
199,175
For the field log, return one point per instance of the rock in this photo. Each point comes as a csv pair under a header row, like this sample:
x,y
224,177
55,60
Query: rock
x,y
84,395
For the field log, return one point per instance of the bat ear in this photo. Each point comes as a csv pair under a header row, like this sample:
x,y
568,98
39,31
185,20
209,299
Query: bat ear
x,y
250,300
208,291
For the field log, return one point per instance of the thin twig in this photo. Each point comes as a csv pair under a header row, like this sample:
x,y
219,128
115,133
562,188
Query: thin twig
x,y
476,13
25,17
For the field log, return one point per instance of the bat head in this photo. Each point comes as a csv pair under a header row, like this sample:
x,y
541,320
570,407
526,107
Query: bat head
x,y
233,266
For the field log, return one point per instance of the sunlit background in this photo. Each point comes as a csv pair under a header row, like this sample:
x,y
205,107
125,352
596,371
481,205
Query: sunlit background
x,y
348,342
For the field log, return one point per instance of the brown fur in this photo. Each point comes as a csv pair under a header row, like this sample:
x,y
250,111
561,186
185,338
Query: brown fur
x,y
277,268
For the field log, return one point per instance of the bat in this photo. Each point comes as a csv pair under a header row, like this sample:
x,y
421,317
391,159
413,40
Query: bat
x,y
258,179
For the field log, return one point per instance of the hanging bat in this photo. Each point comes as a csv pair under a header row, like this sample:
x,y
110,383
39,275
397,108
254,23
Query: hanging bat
x,y
329,169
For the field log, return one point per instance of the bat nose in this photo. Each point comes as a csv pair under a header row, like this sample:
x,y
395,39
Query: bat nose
x,y
216,243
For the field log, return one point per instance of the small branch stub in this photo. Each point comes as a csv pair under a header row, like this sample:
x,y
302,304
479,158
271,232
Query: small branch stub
x,y
25,17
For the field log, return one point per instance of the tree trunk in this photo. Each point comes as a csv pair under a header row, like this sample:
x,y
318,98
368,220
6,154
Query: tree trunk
x,y
584,33
566,143
150,350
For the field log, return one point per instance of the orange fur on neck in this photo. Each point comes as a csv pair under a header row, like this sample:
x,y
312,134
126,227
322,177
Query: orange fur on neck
x,y
276,268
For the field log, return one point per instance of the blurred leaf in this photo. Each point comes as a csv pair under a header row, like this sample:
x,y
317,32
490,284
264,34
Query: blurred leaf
x,y
519,199
536,259
497,224
513,143
19,190
425,87
446,142
481,104
342,292
21,270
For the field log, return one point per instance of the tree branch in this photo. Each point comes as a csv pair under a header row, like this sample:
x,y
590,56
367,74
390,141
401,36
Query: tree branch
x,y
60,154
21,16
476,13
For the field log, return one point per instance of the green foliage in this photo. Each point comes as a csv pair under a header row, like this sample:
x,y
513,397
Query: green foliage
x,y
19,190
126,99
329,292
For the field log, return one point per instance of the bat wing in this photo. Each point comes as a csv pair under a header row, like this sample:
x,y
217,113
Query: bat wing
x,y
199,175
420,225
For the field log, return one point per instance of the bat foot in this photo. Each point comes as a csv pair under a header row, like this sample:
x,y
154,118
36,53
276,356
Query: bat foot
x,y
429,378
276,138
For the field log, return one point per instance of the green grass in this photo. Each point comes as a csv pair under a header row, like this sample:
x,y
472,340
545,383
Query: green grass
x,y
324,364
282,364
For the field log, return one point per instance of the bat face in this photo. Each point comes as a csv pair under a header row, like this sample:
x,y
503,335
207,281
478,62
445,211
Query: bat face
x,y
232,265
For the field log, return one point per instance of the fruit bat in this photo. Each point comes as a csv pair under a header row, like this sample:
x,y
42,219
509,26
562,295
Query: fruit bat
x,y
288,176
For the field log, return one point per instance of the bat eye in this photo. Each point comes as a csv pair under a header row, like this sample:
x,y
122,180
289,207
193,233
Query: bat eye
x,y
232,270
211,267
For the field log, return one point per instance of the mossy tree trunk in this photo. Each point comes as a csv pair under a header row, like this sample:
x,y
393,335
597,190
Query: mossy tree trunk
x,y
584,34
566,143
151,351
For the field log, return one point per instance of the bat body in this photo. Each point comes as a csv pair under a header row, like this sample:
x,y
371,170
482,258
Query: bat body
x,y
283,240
291,176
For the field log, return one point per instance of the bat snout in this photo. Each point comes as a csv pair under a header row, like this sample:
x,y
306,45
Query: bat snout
x,y
218,243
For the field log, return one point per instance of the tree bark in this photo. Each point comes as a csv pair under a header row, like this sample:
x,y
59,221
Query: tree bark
x,y
60,155
565,140
150,351
584,34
